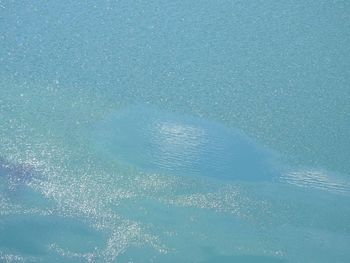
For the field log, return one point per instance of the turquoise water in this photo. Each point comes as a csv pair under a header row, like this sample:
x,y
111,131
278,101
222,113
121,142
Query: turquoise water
x,y
182,131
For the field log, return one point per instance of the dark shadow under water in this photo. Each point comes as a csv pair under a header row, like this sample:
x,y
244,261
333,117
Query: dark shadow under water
x,y
16,175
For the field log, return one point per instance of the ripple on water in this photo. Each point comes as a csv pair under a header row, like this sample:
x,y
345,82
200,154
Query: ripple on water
x,y
169,143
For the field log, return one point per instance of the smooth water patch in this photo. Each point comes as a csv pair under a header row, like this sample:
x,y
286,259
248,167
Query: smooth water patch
x,y
48,236
170,143
164,142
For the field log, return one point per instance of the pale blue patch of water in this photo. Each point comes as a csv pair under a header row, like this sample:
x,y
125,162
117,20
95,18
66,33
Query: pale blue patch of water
x,y
163,142
239,154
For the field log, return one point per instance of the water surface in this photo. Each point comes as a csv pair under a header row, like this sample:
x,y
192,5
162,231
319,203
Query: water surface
x,y
239,153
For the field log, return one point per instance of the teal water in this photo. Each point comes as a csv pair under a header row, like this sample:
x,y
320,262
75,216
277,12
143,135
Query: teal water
x,y
239,151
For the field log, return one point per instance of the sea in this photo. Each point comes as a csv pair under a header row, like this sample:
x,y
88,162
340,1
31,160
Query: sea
x,y
174,131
